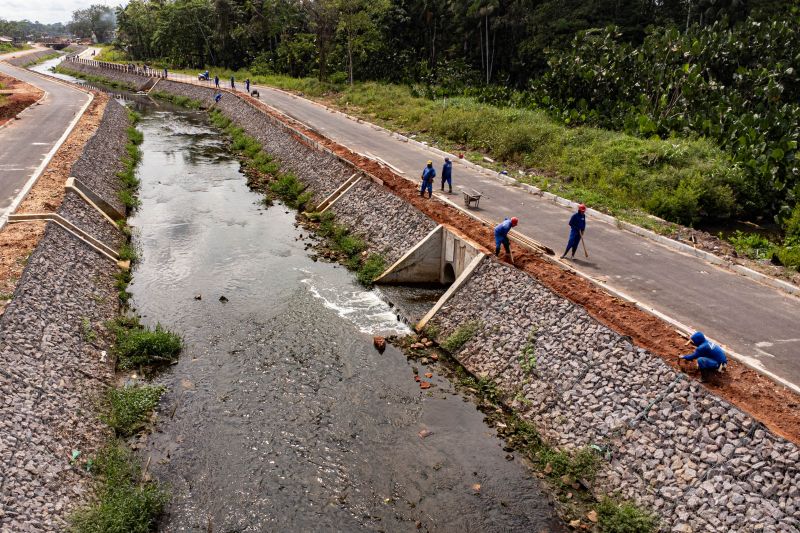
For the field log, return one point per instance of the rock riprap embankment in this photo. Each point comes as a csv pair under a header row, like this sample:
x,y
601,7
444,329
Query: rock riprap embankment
x,y
702,464
697,461
53,368
27,59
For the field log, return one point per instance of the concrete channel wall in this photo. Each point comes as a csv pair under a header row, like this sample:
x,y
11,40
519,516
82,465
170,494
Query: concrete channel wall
x,y
700,463
52,366
26,59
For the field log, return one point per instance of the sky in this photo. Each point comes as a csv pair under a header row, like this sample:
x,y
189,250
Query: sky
x,y
47,11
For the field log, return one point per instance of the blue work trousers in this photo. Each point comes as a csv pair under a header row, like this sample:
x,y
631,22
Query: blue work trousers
x,y
426,184
573,242
498,240
704,363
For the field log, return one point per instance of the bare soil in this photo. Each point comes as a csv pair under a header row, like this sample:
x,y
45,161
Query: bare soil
x,y
775,406
15,96
17,241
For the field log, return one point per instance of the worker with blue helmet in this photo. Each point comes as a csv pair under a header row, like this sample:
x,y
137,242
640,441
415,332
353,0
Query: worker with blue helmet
x,y
709,356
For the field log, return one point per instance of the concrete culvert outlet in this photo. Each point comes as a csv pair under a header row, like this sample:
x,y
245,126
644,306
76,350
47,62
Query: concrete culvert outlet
x,y
449,274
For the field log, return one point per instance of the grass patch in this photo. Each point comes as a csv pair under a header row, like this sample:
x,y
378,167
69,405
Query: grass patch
x,y
583,464
87,331
121,281
91,78
127,252
370,269
6,295
125,505
130,407
112,54
182,101
138,346
527,359
461,336
289,189
41,59
127,176
624,517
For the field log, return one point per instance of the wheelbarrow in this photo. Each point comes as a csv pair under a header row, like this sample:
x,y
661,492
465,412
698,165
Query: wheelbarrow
x,y
471,196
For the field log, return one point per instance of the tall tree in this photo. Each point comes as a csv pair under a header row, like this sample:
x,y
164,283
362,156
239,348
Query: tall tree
x,y
96,21
358,27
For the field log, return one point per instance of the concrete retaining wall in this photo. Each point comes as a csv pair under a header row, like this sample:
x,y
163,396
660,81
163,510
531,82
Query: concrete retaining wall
x,y
52,371
699,462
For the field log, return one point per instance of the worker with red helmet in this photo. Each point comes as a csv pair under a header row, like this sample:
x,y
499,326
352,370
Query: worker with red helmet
x,y
501,234
577,225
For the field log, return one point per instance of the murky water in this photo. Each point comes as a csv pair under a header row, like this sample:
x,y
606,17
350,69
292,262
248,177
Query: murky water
x,y
280,415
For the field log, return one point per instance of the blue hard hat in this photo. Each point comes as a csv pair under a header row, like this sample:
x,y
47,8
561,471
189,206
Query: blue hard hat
x,y
698,338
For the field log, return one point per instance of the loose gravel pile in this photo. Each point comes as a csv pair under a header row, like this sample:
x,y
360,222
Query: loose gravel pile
x,y
53,368
702,464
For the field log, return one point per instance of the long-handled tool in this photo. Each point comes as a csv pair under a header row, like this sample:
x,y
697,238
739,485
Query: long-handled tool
x,y
584,247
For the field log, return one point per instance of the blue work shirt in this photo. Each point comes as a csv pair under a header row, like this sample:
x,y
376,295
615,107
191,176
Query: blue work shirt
x,y
447,170
577,222
428,173
502,229
707,349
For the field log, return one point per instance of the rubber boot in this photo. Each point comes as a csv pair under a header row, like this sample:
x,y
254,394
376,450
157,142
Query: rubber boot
x,y
705,375
451,190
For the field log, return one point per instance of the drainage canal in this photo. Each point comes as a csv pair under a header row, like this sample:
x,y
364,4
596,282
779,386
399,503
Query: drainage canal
x,y
280,414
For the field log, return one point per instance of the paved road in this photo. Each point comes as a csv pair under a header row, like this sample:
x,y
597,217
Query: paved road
x,y
25,143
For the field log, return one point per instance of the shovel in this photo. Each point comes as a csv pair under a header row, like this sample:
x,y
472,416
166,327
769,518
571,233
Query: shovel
x,y
583,242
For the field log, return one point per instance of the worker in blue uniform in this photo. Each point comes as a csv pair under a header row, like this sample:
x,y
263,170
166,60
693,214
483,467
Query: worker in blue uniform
x,y
709,356
428,173
577,225
501,235
447,174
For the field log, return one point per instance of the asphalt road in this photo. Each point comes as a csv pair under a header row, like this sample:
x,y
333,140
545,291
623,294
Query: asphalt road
x,y
755,320
25,143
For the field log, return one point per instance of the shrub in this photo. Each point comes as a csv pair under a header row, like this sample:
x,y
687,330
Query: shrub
x,y
289,189
583,464
139,346
129,408
751,244
624,517
370,269
124,504
461,336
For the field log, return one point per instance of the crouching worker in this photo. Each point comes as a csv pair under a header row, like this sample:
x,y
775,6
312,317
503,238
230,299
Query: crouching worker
x,y
710,357
501,235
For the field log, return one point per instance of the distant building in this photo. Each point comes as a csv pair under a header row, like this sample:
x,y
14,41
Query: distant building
x,y
5,39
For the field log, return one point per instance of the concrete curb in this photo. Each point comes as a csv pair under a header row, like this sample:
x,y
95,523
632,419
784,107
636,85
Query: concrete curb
x,y
508,180
46,161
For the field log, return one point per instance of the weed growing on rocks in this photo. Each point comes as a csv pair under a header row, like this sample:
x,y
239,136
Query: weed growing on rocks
x,y
86,330
178,100
527,360
370,269
121,281
127,176
125,504
129,408
63,69
139,346
291,190
582,465
624,517
461,336
127,252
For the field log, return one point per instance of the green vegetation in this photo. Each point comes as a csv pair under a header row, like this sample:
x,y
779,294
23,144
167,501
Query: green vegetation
x,y
121,281
352,247
624,517
583,464
130,407
87,331
111,54
125,503
133,154
461,336
527,359
63,68
287,187
139,346
127,252
183,101
41,59
6,295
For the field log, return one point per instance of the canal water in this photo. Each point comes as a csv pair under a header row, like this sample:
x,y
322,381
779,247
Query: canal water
x,y
280,414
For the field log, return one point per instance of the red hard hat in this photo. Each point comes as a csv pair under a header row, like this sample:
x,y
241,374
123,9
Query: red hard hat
x,y
514,221
581,208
